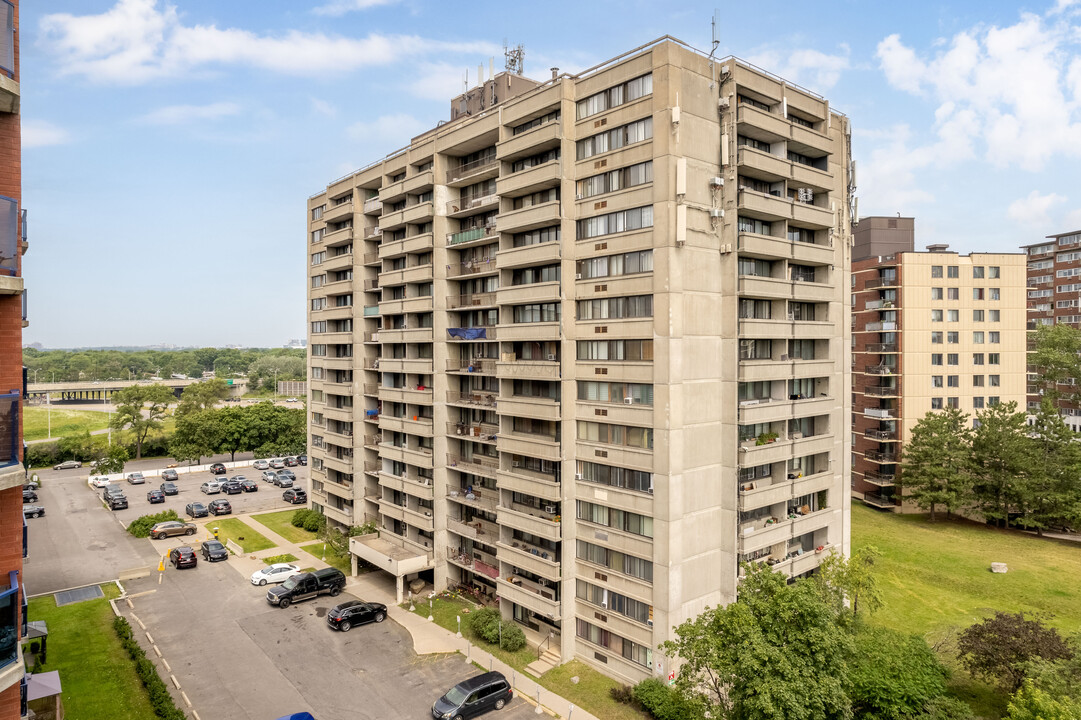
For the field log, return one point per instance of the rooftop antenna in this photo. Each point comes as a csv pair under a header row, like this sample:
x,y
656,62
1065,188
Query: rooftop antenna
x,y
515,58
713,49
465,81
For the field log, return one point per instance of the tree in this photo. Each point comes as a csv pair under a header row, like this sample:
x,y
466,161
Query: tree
x,y
1001,456
776,653
852,578
112,461
202,396
142,409
1051,492
893,674
1057,359
1032,703
998,648
197,434
232,422
936,461
263,372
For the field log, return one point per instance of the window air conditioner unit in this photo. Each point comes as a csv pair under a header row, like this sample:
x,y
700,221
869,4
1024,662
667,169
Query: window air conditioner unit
x,y
551,509
650,491
716,181
628,401
784,358
649,622
577,276
604,603
579,196
716,213
577,476
551,358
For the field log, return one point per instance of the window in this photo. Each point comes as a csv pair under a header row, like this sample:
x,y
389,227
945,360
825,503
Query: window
x,y
953,381
952,337
977,272
994,272
977,358
632,651
614,560
535,160
617,222
953,403
936,337
977,403
616,138
936,358
953,271
951,359
755,349
317,213
535,122
952,315
936,381
977,381
627,177
977,294
616,476
993,400
751,225
936,271
993,380
936,293
615,96
936,316
535,313
615,392
953,293
977,316
318,303
977,337
535,237
993,359
317,235
618,519
994,337
613,601
936,403
319,257
614,265
750,308
638,306
995,294
615,350
528,276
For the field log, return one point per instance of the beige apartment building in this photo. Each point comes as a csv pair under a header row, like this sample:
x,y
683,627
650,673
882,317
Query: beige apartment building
x,y
931,330
585,347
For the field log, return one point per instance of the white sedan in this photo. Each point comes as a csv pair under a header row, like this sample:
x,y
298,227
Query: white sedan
x,y
276,573
99,481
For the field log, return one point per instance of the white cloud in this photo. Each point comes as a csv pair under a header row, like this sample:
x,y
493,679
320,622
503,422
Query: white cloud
x,y
39,133
341,7
1035,209
388,130
813,68
888,181
323,107
179,114
1012,94
135,42
441,81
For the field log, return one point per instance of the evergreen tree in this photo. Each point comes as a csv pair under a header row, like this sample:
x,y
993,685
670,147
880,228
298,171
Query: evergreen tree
x,y
1001,455
936,465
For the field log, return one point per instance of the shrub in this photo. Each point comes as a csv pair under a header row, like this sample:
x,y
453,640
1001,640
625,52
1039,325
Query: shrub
x,y
160,699
998,647
310,520
275,559
513,639
662,702
140,527
485,623
623,694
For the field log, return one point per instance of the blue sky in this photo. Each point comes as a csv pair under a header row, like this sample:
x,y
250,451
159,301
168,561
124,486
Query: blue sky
x,y
168,149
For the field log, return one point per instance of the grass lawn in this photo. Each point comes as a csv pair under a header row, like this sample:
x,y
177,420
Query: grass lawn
x,y
445,612
95,670
316,551
279,523
233,529
937,576
286,558
64,422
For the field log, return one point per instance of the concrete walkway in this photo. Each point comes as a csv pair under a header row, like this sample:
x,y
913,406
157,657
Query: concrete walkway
x,y
428,638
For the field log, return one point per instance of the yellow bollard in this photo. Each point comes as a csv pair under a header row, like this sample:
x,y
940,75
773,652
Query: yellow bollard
x,y
161,568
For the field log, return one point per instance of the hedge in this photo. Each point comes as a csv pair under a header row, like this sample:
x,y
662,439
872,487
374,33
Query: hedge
x,y
160,699
310,520
662,702
140,527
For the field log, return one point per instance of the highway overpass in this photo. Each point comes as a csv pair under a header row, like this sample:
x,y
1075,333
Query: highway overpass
x,y
103,389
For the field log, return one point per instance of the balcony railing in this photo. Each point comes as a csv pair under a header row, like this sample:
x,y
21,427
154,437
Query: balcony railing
x,y
472,267
9,231
464,463
9,429
7,38
881,282
465,236
372,205
883,391
880,413
879,500
880,478
474,167
10,632
882,347
878,369
482,366
881,327
880,456
459,301
879,305
881,434
468,203
479,397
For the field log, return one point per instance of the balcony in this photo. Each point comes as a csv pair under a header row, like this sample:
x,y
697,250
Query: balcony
x,y
476,235
530,482
538,598
483,398
536,445
880,456
477,464
471,333
887,502
882,391
530,293
882,348
527,255
474,171
881,479
532,521
339,211
476,300
879,305
532,559
880,413
529,331
541,408
510,369
480,266
532,179
481,498
466,206
881,327
882,282
879,369
531,142
476,366
373,206
875,434
10,442
530,218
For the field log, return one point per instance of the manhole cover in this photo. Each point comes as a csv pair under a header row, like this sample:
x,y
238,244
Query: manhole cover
x,y
78,595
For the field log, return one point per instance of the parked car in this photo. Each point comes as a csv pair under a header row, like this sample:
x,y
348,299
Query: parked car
x,y
213,550
231,487
355,612
290,462
218,469
136,478
155,496
328,581
269,476
111,491
282,481
116,502
211,487
248,485
286,472
183,557
475,696
169,474
277,463
169,488
33,511
172,528
196,510
30,485
302,459
99,481
68,465
261,465
295,496
275,573
291,400
30,496
219,507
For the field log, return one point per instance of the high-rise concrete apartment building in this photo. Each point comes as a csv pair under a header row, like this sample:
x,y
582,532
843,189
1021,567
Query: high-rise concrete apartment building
x,y
12,381
585,347
931,330
1054,294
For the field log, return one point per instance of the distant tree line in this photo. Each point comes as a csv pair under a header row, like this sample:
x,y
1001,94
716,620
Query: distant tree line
x,y
259,365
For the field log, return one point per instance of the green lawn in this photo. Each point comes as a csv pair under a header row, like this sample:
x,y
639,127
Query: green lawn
x,y
242,534
96,673
286,558
937,576
64,422
316,551
445,612
279,523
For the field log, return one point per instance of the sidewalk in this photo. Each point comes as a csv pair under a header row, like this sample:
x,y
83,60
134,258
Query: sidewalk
x,y
428,638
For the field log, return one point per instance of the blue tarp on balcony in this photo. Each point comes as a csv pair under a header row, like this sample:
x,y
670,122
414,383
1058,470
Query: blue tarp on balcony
x,y
468,333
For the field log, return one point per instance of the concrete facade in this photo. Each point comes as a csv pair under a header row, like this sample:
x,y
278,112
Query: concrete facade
x,y
932,330
879,236
587,349
12,320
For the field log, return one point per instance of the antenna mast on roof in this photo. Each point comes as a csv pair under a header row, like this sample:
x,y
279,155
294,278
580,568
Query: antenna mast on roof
x,y
713,49
515,58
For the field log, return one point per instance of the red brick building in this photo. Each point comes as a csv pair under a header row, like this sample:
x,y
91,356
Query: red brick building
x,y
12,318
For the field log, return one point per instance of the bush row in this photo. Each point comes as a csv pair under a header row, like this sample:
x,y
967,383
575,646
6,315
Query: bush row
x,y
160,699
85,449
662,702
140,527
486,624
310,520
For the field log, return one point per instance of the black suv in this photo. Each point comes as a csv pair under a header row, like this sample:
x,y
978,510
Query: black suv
x,y
477,695
219,507
295,496
182,557
328,581
116,502
355,612
232,487
30,495
213,550
217,469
